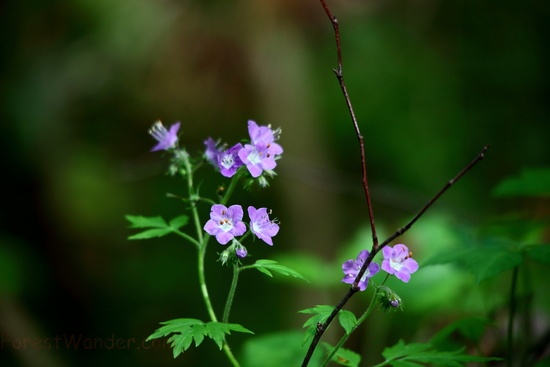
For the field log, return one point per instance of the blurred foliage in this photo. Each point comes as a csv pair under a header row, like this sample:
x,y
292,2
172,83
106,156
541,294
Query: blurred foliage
x,y
431,82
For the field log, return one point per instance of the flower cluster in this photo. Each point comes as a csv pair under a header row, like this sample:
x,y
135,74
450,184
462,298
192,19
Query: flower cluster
x,y
397,261
226,224
259,156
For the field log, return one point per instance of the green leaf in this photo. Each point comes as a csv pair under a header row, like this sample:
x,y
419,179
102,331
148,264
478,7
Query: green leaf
x,y
347,319
179,222
491,257
150,233
320,314
217,330
138,221
540,253
531,182
173,326
472,328
419,354
487,263
267,266
279,349
343,356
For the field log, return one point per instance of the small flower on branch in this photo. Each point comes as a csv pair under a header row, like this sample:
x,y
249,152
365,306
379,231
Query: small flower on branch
x,y
225,223
166,139
352,267
399,262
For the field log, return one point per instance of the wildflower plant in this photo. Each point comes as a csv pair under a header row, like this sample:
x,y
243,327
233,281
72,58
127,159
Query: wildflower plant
x,y
231,228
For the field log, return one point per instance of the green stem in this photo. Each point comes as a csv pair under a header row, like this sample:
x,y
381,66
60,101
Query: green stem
x,y
188,238
347,335
512,311
231,295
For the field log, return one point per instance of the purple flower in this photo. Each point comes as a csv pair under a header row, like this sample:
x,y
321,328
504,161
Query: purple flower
x,y
212,151
398,261
261,154
261,226
225,223
241,252
166,138
229,160
351,269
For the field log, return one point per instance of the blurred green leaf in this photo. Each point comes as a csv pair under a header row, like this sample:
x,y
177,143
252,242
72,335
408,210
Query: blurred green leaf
x,y
179,221
531,182
138,221
540,253
150,233
491,257
276,350
343,356
158,226
419,354
266,266
472,328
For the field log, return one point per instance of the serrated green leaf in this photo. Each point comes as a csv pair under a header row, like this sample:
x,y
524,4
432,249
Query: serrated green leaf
x,y
320,315
347,319
179,221
173,326
180,343
150,233
138,221
540,253
267,266
217,330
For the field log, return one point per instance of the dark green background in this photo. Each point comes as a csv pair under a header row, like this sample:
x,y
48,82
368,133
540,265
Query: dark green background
x,y
82,81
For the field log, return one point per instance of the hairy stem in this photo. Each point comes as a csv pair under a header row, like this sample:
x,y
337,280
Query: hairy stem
x,y
231,295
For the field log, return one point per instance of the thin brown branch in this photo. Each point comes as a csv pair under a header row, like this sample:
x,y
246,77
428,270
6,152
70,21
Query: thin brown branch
x,y
340,76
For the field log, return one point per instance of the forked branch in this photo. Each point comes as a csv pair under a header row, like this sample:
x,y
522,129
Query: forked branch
x,y
321,328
